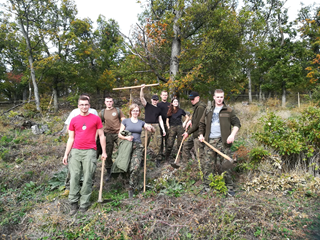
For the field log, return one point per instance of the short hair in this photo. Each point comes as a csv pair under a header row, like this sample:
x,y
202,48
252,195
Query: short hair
x,y
83,98
164,91
85,95
133,106
108,96
218,91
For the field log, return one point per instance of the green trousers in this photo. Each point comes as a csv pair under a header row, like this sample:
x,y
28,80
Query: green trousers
x,y
81,161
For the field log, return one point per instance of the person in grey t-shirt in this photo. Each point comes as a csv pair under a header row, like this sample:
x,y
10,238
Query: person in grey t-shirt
x,y
135,126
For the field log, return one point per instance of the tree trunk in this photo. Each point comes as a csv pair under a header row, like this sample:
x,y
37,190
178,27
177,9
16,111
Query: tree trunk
x,y
32,71
175,50
260,94
283,95
55,99
249,83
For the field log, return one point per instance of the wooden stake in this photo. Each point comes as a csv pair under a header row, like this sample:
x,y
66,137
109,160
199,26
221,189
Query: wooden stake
x,y
147,85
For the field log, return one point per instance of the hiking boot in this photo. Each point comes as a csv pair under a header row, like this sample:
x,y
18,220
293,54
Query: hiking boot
x,y
73,209
108,174
65,193
231,193
83,210
158,163
130,192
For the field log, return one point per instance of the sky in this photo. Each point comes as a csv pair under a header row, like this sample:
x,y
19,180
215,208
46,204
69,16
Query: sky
x,y
125,12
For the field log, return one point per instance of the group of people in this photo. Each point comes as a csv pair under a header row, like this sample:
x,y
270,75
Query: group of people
x,y
216,124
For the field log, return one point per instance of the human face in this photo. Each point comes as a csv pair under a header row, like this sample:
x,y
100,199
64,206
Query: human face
x,y
218,98
154,102
195,100
164,96
175,103
135,112
108,102
84,106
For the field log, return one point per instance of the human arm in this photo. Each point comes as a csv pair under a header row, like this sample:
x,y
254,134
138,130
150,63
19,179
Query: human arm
x,y
129,138
68,148
167,122
196,119
162,126
232,136
102,138
143,100
184,124
235,122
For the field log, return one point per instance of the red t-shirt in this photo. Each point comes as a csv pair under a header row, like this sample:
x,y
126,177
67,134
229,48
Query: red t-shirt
x,y
85,128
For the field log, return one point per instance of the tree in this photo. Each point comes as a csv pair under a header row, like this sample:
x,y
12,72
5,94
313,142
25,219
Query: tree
x,y
32,17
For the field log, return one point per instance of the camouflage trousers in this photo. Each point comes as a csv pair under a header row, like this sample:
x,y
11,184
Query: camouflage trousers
x,y
188,145
174,132
134,167
154,140
111,139
164,140
214,162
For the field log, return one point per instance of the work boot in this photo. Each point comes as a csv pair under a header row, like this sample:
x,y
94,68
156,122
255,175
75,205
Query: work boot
x,y
158,163
65,193
73,208
130,192
108,174
83,210
167,157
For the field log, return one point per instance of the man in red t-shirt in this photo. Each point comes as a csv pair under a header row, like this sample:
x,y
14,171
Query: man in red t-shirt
x,y
82,148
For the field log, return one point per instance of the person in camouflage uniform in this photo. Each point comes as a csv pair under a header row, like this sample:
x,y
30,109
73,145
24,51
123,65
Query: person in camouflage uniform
x,y
192,129
111,118
216,128
175,126
135,126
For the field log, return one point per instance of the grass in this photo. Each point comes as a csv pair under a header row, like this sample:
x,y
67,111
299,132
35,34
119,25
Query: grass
x,y
174,206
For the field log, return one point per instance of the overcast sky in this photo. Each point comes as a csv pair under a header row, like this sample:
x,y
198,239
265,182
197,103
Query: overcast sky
x,y
125,12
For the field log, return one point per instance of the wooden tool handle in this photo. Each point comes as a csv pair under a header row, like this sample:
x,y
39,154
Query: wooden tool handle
x,y
101,181
176,161
216,150
147,85
145,161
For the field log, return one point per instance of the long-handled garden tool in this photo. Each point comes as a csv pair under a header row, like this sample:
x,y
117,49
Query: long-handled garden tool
x,y
101,186
226,165
175,164
145,161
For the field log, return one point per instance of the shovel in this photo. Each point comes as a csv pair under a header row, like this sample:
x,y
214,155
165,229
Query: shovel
x,y
175,164
101,186
226,165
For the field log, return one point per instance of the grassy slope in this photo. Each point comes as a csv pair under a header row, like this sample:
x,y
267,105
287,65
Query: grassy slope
x,y
175,205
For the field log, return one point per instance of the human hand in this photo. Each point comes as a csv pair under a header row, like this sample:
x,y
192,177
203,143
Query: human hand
x,y
185,135
129,138
230,139
65,160
201,138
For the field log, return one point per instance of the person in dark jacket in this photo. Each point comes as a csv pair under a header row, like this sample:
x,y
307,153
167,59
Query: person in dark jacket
x,y
135,126
216,128
193,141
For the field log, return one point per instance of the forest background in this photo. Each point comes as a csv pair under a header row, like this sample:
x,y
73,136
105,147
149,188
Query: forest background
x,y
46,51
49,56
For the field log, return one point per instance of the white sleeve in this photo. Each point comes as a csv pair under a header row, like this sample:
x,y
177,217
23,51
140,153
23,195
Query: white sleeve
x,y
93,111
71,115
